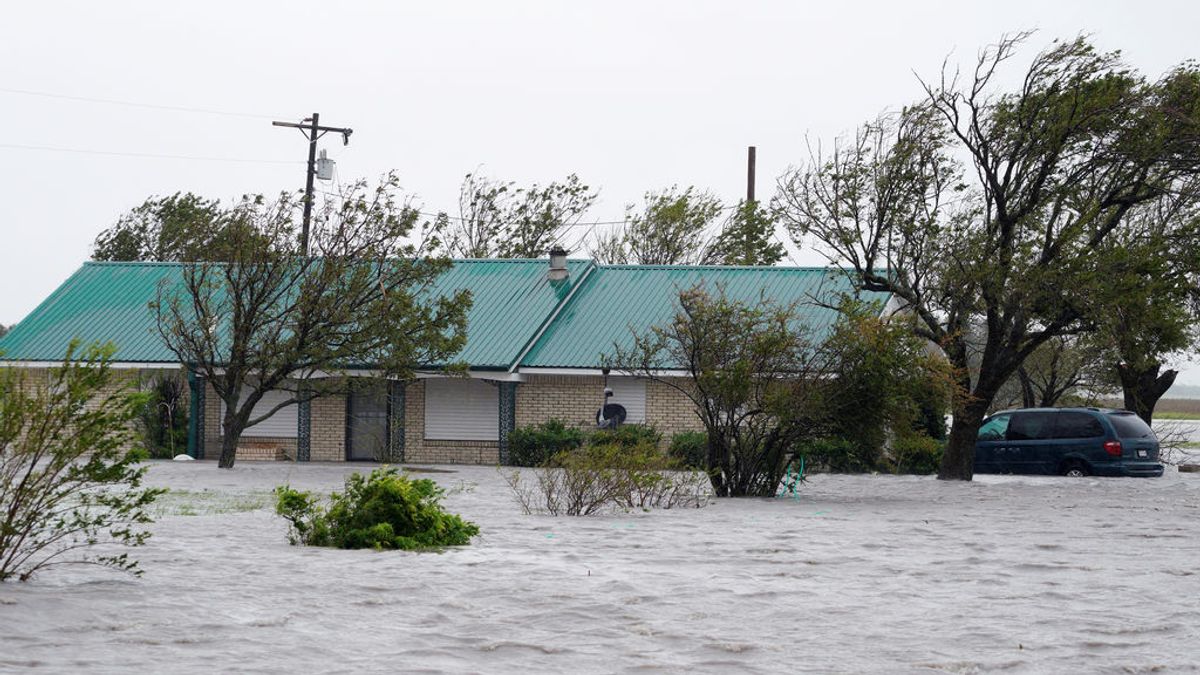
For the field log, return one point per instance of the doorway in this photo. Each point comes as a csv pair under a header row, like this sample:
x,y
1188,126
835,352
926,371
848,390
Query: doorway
x,y
367,421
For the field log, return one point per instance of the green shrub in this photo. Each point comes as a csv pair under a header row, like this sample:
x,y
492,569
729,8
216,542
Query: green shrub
x,y
164,418
690,448
386,510
626,436
534,446
604,477
916,454
838,455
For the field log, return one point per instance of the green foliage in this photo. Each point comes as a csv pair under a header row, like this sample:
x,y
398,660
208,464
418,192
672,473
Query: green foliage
x,y
534,446
839,455
177,228
690,449
164,418
70,488
755,380
386,510
671,230
626,436
602,477
916,454
882,379
498,220
748,238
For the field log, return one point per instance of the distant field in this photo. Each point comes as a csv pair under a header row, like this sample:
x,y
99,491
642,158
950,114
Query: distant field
x,y
1178,409
1168,408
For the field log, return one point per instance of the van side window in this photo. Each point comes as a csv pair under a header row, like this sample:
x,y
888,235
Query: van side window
x,y
1031,426
1077,425
994,429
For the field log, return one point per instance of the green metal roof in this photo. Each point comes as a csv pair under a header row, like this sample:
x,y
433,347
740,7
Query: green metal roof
x,y
515,308
109,302
100,302
511,301
619,299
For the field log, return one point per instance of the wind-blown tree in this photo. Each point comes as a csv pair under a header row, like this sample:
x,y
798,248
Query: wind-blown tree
x,y
1152,308
270,318
180,227
672,229
1017,242
3,330
498,220
754,378
747,238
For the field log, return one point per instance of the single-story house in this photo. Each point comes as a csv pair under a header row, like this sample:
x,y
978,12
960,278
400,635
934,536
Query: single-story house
x,y
535,341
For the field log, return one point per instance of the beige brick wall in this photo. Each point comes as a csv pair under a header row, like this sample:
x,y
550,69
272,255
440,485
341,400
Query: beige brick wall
x,y
34,380
418,450
575,399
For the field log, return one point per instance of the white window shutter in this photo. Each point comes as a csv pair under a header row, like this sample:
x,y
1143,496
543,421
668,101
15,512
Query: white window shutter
x,y
461,410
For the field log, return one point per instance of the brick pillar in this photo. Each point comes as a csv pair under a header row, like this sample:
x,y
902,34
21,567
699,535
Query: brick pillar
x,y
304,427
396,404
508,416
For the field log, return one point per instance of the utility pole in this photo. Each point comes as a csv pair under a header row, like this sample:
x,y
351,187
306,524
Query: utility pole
x,y
312,131
750,175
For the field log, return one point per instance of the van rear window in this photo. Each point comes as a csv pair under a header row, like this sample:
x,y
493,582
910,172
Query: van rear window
x,y
1129,425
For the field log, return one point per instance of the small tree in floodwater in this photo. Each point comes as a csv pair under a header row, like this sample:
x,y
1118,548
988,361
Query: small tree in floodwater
x,y
70,486
272,315
753,375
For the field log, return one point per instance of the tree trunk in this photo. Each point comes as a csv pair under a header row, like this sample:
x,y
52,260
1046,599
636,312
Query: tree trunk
x,y
958,462
229,441
1143,388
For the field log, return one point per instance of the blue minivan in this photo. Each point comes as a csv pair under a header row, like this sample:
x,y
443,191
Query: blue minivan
x,y
1067,442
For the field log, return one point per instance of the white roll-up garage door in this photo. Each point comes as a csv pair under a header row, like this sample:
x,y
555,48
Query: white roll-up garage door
x,y
461,410
280,425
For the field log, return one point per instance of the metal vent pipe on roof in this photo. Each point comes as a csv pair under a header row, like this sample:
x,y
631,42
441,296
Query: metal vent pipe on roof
x,y
558,264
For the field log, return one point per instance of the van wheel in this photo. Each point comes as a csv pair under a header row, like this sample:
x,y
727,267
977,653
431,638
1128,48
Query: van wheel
x,y
1074,470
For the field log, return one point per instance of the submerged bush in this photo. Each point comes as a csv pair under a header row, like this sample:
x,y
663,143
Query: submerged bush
x,y
164,418
535,445
70,487
601,478
916,454
690,448
386,510
626,436
838,455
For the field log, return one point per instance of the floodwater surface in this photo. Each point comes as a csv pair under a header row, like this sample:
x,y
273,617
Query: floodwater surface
x,y
859,574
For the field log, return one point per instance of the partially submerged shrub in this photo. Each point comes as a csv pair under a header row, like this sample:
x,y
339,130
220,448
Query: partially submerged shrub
x,y
690,448
626,436
386,510
535,445
838,455
601,478
70,488
916,454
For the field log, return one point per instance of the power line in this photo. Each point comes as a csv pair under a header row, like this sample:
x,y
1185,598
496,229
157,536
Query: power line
x,y
134,104
153,155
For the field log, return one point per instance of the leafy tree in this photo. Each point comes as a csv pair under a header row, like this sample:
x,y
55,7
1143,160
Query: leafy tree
x,y
671,230
175,228
1017,243
753,377
3,330
497,220
70,487
272,319
881,377
748,238
1152,306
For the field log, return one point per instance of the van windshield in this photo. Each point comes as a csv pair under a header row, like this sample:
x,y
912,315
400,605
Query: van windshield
x,y
1129,425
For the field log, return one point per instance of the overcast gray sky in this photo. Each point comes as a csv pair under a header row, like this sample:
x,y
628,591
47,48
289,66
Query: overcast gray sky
x,y
631,96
